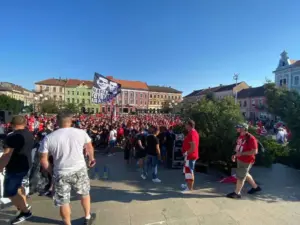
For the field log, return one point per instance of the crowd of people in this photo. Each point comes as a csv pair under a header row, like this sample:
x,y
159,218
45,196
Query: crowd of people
x,y
65,145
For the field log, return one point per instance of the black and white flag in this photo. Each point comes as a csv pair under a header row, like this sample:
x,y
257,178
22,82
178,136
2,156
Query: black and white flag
x,y
104,90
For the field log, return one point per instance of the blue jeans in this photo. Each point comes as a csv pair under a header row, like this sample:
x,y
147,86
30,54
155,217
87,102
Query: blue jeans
x,y
151,162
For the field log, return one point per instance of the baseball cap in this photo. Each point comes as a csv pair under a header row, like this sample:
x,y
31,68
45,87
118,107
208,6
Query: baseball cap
x,y
242,125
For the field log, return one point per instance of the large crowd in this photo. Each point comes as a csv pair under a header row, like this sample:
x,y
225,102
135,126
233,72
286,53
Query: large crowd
x,y
65,145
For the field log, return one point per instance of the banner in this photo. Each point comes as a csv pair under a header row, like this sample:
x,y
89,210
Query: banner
x,y
104,90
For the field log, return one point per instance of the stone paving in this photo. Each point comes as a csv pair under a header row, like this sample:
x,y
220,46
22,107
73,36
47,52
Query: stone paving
x,y
125,199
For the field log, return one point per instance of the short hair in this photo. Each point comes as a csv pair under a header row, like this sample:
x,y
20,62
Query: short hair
x,y
63,115
191,123
18,120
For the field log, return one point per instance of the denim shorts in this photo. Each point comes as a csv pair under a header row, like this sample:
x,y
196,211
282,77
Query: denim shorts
x,y
12,182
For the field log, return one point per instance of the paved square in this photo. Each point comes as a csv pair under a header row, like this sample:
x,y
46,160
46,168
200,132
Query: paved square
x,y
126,199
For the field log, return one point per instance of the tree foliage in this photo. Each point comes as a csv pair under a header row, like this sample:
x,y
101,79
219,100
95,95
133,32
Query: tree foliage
x,y
10,104
48,106
72,107
215,121
286,105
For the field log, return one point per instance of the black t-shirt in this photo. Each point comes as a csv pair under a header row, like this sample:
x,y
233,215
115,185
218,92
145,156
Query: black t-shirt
x,y
152,141
162,138
142,138
22,141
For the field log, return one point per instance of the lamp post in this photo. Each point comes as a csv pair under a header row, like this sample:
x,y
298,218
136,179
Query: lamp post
x,y
236,77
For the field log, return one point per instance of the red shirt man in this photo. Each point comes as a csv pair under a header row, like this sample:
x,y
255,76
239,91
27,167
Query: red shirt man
x,y
193,137
190,149
246,143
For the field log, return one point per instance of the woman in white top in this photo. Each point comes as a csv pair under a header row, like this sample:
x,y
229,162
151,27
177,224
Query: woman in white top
x,y
112,139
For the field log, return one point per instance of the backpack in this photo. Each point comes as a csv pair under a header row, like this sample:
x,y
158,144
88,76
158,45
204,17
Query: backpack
x,y
261,148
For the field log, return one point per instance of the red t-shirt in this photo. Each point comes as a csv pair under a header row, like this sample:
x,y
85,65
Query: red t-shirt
x,y
192,136
244,145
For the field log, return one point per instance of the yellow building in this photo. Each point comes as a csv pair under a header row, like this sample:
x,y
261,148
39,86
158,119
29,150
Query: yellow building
x,y
17,92
161,97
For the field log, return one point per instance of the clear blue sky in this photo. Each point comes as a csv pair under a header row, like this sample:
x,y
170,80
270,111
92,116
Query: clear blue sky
x,y
187,44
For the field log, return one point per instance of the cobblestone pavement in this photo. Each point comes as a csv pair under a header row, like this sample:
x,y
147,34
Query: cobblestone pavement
x,y
125,199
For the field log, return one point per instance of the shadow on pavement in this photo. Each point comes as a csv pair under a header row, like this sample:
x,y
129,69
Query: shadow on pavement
x,y
279,183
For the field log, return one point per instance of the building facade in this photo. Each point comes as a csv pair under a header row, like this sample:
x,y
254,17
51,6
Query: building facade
x,y
161,97
17,92
287,73
219,92
253,103
79,92
51,89
134,96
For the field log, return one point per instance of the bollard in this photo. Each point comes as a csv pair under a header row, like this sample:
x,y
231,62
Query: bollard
x,y
105,172
96,174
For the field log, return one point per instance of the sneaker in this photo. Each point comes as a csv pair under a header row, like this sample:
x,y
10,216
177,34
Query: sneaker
x,y
186,190
21,217
234,195
156,180
90,220
143,177
183,186
254,190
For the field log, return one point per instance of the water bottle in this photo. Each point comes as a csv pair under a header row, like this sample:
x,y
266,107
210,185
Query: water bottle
x,y
105,172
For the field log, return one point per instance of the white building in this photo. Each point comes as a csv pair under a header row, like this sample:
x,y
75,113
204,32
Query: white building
x,y
287,73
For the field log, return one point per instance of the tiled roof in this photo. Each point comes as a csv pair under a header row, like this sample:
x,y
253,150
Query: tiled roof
x,y
155,88
295,62
75,83
194,93
213,89
226,87
7,86
128,84
252,92
52,82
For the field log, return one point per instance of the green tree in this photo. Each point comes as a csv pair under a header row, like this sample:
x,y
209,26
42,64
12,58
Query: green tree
x,y
285,104
215,121
72,107
10,104
48,106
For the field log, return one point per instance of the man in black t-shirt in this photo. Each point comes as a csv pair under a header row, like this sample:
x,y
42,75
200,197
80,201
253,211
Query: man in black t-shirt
x,y
140,147
17,161
153,155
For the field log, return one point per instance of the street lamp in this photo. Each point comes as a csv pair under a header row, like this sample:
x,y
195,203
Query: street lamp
x,y
236,77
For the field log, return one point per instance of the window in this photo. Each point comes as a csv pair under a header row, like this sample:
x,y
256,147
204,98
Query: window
x,y
68,92
72,92
245,103
162,96
77,92
108,109
54,96
141,95
61,89
282,82
126,101
150,96
60,98
150,102
77,100
169,97
73,100
136,101
145,96
131,94
260,102
296,80
145,103
253,102
89,93
131,101
141,102
83,101
154,103
97,110
172,97
82,93
89,101
103,109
